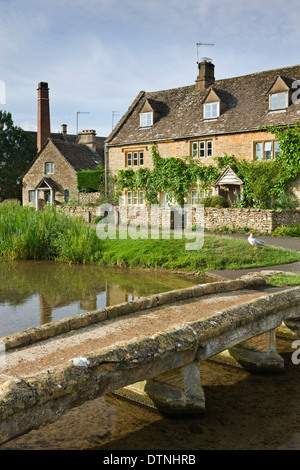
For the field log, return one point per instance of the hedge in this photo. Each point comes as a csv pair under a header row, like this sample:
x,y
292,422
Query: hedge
x,y
89,180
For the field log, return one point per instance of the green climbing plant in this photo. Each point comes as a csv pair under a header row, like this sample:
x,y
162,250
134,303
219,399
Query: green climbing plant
x,y
172,175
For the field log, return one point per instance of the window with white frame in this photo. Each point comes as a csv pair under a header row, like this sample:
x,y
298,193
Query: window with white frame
x,y
194,197
278,100
167,199
266,150
146,119
205,193
135,197
202,149
141,197
31,195
49,168
211,110
135,158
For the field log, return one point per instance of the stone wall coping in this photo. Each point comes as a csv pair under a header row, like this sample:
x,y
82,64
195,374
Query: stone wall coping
x,y
39,333
31,402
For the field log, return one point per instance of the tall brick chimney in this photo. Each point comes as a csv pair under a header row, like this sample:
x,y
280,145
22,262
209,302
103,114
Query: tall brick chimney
x,y
43,124
206,76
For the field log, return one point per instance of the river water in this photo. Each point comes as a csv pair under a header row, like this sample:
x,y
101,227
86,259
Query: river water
x,y
244,411
33,293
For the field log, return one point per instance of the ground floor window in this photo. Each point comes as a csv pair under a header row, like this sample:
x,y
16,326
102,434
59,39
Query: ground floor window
x,y
31,195
67,195
135,197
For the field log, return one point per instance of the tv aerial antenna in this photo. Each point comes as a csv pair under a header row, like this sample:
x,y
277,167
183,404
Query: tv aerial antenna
x,y
202,44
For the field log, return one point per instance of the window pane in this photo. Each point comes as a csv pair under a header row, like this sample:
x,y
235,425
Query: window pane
x,y
141,196
49,168
32,196
215,110
276,149
207,111
146,119
129,197
129,159
268,150
211,110
202,149
66,195
282,100
141,158
279,100
135,158
258,151
195,149
135,198
209,148
274,101
194,197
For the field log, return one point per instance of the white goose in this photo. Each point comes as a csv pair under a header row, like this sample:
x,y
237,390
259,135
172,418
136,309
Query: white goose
x,y
254,241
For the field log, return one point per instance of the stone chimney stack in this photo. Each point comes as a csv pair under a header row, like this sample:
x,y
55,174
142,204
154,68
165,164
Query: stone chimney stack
x,y
64,129
88,138
43,124
206,76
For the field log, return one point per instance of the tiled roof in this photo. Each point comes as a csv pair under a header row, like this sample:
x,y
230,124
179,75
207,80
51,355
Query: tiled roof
x,y
181,109
71,138
80,157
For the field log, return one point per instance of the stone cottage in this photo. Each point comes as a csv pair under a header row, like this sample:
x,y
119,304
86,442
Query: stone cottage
x,y
206,120
52,176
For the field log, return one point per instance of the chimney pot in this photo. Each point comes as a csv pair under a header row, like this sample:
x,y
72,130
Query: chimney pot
x,y
64,129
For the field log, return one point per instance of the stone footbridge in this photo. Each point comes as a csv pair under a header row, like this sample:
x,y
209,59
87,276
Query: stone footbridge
x,y
149,350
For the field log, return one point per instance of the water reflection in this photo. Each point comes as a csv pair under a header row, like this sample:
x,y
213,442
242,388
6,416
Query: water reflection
x,y
38,292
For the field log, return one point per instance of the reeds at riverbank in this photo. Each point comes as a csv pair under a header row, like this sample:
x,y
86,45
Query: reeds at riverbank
x,y
29,234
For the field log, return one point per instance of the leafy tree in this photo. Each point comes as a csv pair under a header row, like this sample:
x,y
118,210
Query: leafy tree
x,y
17,150
289,141
263,181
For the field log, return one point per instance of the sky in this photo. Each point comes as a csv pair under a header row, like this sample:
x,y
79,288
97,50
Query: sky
x,y
97,55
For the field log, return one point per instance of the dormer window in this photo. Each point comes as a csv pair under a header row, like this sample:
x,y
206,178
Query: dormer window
x,y
211,110
146,119
278,100
279,94
214,104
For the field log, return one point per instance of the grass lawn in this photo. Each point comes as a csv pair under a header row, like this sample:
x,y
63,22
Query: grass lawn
x,y
216,253
281,280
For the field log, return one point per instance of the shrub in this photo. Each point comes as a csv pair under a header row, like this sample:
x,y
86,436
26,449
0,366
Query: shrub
x,y
89,180
287,231
214,201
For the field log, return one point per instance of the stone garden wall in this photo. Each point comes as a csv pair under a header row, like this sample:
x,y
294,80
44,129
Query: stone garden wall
x,y
264,221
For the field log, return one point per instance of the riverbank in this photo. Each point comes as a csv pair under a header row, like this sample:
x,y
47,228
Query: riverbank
x,y
52,235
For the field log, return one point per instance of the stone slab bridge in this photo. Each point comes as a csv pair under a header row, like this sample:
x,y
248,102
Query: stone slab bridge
x,y
149,350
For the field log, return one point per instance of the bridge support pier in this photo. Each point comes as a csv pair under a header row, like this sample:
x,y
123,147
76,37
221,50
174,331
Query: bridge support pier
x,y
257,354
293,324
176,391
